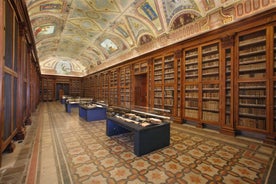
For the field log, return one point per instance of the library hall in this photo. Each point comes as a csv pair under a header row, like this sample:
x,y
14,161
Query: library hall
x,y
138,91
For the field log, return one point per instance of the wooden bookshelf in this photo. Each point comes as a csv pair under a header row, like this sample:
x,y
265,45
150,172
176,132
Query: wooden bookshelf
x,y
140,68
113,87
165,84
191,87
201,83
74,87
87,84
227,92
228,87
252,55
191,102
178,87
48,90
169,89
191,65
125,86
210,55
252,74
98,87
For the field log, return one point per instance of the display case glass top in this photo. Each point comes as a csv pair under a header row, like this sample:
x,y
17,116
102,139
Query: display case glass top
x,y
137,115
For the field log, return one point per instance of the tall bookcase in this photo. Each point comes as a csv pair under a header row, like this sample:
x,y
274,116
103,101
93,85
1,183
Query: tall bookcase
x,y
157,83
88,86
48,91
252,80
164,84
113,87
202,83
74,87
140,68
227,85
178,86
191,84
125,86
105,88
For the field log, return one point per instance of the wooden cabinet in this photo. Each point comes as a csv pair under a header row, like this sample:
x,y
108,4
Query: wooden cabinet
x,y
191,85
228,86
210,82
75,87
227,89
105,87
252,80
86,86
140,68
125,86
113,87
201,83
48,89
165,83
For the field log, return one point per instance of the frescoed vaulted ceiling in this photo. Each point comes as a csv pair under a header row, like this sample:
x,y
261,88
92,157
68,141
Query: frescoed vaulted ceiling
x,y
78,37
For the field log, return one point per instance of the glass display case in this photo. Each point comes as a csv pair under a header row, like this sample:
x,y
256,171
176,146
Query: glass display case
x,y
92,111
151,130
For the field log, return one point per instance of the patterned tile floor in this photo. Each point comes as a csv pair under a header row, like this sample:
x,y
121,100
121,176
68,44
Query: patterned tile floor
x,y
63,148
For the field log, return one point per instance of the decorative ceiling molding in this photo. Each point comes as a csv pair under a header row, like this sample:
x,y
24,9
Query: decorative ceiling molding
x,y
78,37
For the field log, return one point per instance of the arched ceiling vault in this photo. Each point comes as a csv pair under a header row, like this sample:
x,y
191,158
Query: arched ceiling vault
x,y
77,37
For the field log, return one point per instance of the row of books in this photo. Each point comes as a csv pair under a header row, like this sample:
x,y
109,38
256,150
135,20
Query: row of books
x,y
191,113
253,111
211,105
210,116
252,49
252,123
253,101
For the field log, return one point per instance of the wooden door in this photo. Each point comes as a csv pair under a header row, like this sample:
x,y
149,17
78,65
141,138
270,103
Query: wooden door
x,y
140,93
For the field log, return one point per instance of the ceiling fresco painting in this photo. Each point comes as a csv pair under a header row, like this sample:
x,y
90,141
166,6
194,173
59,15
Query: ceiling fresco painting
x,y
78,37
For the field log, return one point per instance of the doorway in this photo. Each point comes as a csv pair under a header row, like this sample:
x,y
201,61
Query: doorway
x,y
140,90
61,89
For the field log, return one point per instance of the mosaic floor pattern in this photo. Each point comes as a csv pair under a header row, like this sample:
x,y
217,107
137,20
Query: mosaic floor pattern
x,y
72,150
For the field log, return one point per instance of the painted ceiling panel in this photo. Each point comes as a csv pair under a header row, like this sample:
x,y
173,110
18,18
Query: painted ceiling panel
x,y
78,37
